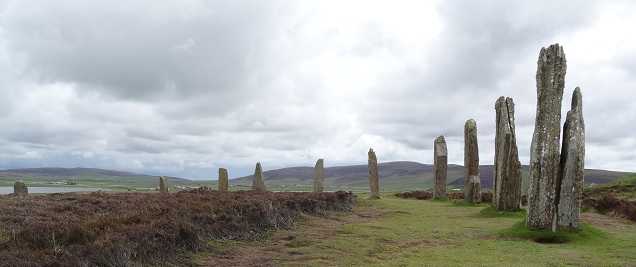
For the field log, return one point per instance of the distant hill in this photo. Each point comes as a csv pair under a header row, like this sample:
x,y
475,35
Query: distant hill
x,y
396,176
73,172
83,177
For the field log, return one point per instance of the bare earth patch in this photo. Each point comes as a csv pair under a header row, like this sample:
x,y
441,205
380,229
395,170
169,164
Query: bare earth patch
x,y
609,223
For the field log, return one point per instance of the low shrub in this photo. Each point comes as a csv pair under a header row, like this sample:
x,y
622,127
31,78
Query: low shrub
x,y
610,204
123,229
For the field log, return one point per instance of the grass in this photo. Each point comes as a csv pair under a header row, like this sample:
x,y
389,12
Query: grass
x,y
587,233
441,233
491,212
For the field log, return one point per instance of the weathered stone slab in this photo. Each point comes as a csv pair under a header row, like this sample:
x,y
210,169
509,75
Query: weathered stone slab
x,y
163,185
472,191
440,166
572,165
258,182
507,169
374,175
20,189
472,183
544,151
319,176
224,182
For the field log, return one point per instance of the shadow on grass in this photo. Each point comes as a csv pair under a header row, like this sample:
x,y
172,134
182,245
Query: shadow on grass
x,y
440,199
491,212
520,231
463,203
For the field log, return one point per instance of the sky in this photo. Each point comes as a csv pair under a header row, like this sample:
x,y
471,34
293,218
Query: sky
x,y
183,87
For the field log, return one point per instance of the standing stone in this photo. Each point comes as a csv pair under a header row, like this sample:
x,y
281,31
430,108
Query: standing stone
x,y
440,166
224,183
507,170
163,185
20,189
319,176
544,151
257,183
472,183
572,165
374,175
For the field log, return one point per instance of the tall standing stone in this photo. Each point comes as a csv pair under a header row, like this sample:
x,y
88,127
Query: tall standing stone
x,y
224,182
20,189
544,151
163,185
319,176
440,166
374,175
258,183
507,170
572,165
472,183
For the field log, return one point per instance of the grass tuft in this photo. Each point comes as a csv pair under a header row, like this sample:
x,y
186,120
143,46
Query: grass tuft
x,y
584,234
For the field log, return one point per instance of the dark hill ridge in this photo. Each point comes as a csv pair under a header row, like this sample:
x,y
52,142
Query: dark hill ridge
x,y
406,172
55,173
344,173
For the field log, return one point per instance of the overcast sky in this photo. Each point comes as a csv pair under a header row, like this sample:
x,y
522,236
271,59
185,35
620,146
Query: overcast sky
x,y
182,87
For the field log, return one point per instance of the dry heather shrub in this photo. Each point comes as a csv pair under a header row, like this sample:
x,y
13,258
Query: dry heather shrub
x,y
610,204
121,229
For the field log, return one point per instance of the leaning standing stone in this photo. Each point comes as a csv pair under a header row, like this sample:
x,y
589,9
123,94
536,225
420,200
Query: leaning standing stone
x,y
572,164
163,185
544,151
472,183
374,176
319,176
258,183
223,180
507,170
440,166
20,189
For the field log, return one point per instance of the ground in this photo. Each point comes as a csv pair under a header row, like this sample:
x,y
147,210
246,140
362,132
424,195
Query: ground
x,y
405,232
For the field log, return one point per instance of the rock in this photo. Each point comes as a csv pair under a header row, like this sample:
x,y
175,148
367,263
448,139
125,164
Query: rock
x,y
507,169
544,151
224,183
473,194
163,185
20,189
374,176
319,176
472,184
258,183
572,165
440,166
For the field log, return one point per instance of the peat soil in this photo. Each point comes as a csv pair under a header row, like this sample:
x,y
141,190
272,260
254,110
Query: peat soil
x,y
124,229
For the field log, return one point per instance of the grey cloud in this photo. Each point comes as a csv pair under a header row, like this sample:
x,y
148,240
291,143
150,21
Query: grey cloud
x,y
174,49
181,88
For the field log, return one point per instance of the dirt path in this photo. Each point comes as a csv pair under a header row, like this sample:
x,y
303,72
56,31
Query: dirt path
x,y
263,252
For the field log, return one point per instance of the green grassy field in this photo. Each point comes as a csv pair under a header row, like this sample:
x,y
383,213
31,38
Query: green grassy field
x,y
401,232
